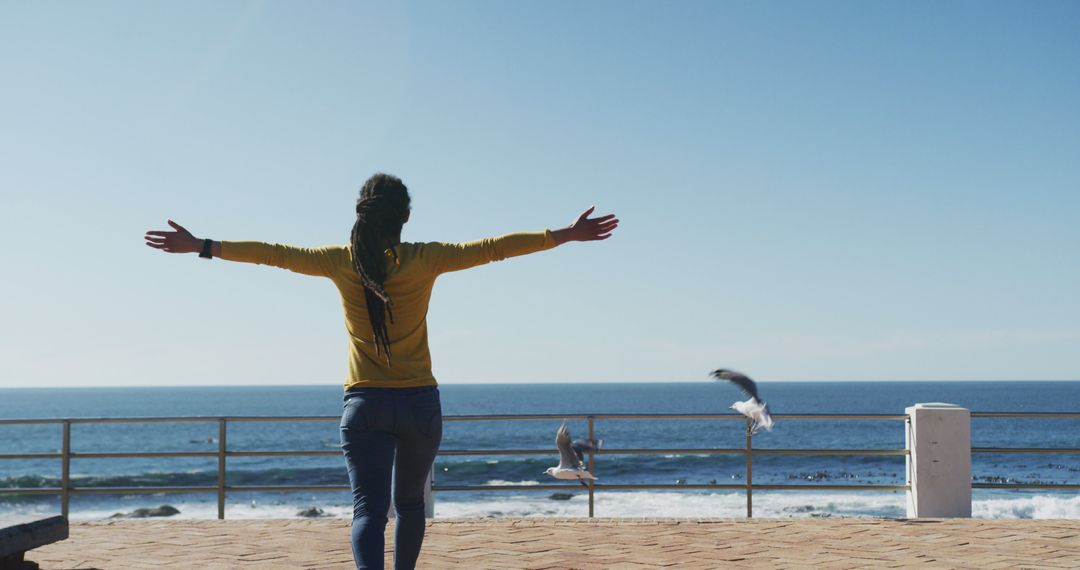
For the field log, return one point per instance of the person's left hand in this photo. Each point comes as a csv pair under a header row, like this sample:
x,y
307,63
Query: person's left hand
x,y
179,241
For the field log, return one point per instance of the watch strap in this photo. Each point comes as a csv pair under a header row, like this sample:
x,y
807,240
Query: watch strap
x,y
206,245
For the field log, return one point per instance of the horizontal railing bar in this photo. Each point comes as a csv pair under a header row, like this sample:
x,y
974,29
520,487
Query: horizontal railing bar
x,y
1061,450
858,417
549,487
646,451
464,452
1043,415
577,487
173,419
167,454
1024,486
681,451
563,487
300,453
610,487
490,417
459,452
686,487
285,488
832,487
614,487
558,417
672,417
140,490
478,417
170,490
146,420
142,454
31,455
470,452
509,417
283,419
289,488
855,417
767,451
677,451
692,487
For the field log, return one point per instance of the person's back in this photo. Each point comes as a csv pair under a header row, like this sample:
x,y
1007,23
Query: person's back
x,y
392,421
411,271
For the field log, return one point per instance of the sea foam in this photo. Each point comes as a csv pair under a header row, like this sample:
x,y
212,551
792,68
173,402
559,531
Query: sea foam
x,y
1047,506
691,504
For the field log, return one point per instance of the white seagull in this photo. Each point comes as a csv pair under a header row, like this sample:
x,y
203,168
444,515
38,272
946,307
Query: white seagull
x,y
753,408
570,467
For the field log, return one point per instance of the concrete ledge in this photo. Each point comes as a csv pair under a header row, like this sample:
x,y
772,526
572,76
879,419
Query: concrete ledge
x,y
19,534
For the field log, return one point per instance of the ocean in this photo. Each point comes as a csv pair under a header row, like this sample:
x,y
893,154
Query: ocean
x,y
569,399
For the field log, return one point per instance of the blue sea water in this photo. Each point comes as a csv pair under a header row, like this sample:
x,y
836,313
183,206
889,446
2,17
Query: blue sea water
x,y
569,399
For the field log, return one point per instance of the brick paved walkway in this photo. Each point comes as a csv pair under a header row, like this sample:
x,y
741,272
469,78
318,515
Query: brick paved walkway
x,y
581,543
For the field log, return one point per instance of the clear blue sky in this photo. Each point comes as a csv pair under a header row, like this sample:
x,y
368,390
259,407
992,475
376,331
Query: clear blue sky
x,y
809,191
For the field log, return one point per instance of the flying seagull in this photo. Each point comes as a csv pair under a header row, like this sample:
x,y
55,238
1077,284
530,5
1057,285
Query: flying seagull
x,y
753,408
570,467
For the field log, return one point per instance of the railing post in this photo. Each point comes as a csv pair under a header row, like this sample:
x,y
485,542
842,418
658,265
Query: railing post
x,y
592,464
65,470
749,472
221,469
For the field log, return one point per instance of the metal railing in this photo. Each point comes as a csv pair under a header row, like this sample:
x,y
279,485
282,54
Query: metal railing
x,y
747,451
66,490
1027,450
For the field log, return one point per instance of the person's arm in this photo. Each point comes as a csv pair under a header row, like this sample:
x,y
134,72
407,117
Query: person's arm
x,y
444,257
309,261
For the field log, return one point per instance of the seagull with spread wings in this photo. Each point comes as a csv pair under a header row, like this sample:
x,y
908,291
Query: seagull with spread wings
x,y
570,466
754,408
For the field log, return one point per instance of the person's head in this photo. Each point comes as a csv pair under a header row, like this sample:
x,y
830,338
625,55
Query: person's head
x,y
381,210
386,198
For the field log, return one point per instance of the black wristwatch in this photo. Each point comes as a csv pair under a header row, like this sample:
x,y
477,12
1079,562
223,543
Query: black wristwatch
x,y
205,253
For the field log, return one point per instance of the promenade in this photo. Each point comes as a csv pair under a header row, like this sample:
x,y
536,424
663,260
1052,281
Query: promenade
x,y
538,543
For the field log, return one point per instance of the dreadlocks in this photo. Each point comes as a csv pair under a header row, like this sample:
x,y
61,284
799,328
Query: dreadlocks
x,y
380,212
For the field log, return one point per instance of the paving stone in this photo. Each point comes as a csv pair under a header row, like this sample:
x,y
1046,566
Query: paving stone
x,y
568,543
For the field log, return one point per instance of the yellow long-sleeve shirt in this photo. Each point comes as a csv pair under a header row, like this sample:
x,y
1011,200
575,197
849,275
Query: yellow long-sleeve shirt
x,y
409,282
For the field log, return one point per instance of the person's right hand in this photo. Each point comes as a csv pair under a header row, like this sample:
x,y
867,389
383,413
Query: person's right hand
x,y
179,241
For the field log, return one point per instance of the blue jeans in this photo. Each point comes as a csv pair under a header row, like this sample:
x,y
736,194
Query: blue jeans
x,y
384,431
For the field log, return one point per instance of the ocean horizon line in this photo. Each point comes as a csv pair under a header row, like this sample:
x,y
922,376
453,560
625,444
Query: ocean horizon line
x,y
547,383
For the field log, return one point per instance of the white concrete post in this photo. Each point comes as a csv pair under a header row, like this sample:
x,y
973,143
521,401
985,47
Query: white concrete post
x,y
939,463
